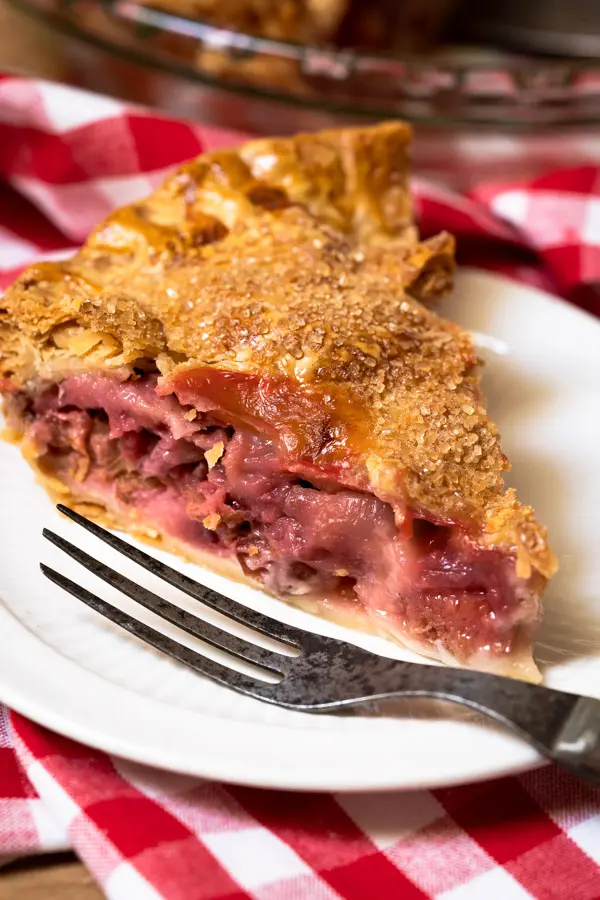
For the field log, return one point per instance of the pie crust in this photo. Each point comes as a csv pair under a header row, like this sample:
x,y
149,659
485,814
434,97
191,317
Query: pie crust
x,y
275,297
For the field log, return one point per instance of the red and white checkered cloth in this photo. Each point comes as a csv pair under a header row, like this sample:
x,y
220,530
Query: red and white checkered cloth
x,y
67,159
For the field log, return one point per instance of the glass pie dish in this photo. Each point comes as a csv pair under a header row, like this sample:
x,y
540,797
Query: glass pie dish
x,y
493,103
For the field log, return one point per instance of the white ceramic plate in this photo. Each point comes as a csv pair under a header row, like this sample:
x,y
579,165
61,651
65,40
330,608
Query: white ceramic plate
x,y
67,668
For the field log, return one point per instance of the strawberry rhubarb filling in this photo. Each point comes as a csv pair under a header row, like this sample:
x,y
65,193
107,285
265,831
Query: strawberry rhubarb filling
x,y
226,477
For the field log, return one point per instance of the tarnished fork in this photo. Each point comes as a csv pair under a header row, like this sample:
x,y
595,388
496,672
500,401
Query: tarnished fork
x,y
328,674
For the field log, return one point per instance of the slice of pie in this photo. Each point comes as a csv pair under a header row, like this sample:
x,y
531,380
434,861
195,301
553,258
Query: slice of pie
x,y
238,368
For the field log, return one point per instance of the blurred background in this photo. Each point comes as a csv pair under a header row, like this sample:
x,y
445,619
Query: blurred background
x,y
499,89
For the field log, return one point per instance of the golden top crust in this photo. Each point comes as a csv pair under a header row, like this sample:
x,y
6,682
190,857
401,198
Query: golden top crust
x,y
295,259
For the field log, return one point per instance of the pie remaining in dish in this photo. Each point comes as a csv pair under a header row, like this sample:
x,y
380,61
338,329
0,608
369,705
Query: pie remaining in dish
x,y
380,26
302,21
240,368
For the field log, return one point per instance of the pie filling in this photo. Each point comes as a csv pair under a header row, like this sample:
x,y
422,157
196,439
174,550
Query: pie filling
x,y
235,490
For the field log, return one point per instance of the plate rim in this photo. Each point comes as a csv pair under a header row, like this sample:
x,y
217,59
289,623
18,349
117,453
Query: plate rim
x,y
129,748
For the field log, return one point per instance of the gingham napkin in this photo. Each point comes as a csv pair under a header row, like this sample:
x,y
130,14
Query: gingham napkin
x,y
67,159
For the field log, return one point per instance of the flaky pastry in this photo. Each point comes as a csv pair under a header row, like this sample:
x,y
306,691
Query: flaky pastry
x,y
244,366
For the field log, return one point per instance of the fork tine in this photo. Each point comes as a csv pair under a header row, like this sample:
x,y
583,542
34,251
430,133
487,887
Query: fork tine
x,y
240,682
236,611
219,638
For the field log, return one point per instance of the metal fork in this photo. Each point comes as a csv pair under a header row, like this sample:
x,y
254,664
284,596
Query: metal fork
x,y
328,674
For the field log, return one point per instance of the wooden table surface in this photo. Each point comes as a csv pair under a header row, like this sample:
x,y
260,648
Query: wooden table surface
x,y
57,877
27,46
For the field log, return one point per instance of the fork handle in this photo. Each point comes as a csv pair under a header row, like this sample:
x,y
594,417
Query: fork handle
x,y
563,727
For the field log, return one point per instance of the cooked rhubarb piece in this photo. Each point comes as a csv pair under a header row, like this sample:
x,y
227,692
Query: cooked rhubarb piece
x,y
238,369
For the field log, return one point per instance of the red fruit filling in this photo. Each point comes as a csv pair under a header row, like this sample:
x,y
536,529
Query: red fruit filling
x,y
238,470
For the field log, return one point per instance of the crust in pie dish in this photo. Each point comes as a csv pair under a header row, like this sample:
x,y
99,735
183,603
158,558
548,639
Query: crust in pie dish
x,y
295,20
243,366
411,26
